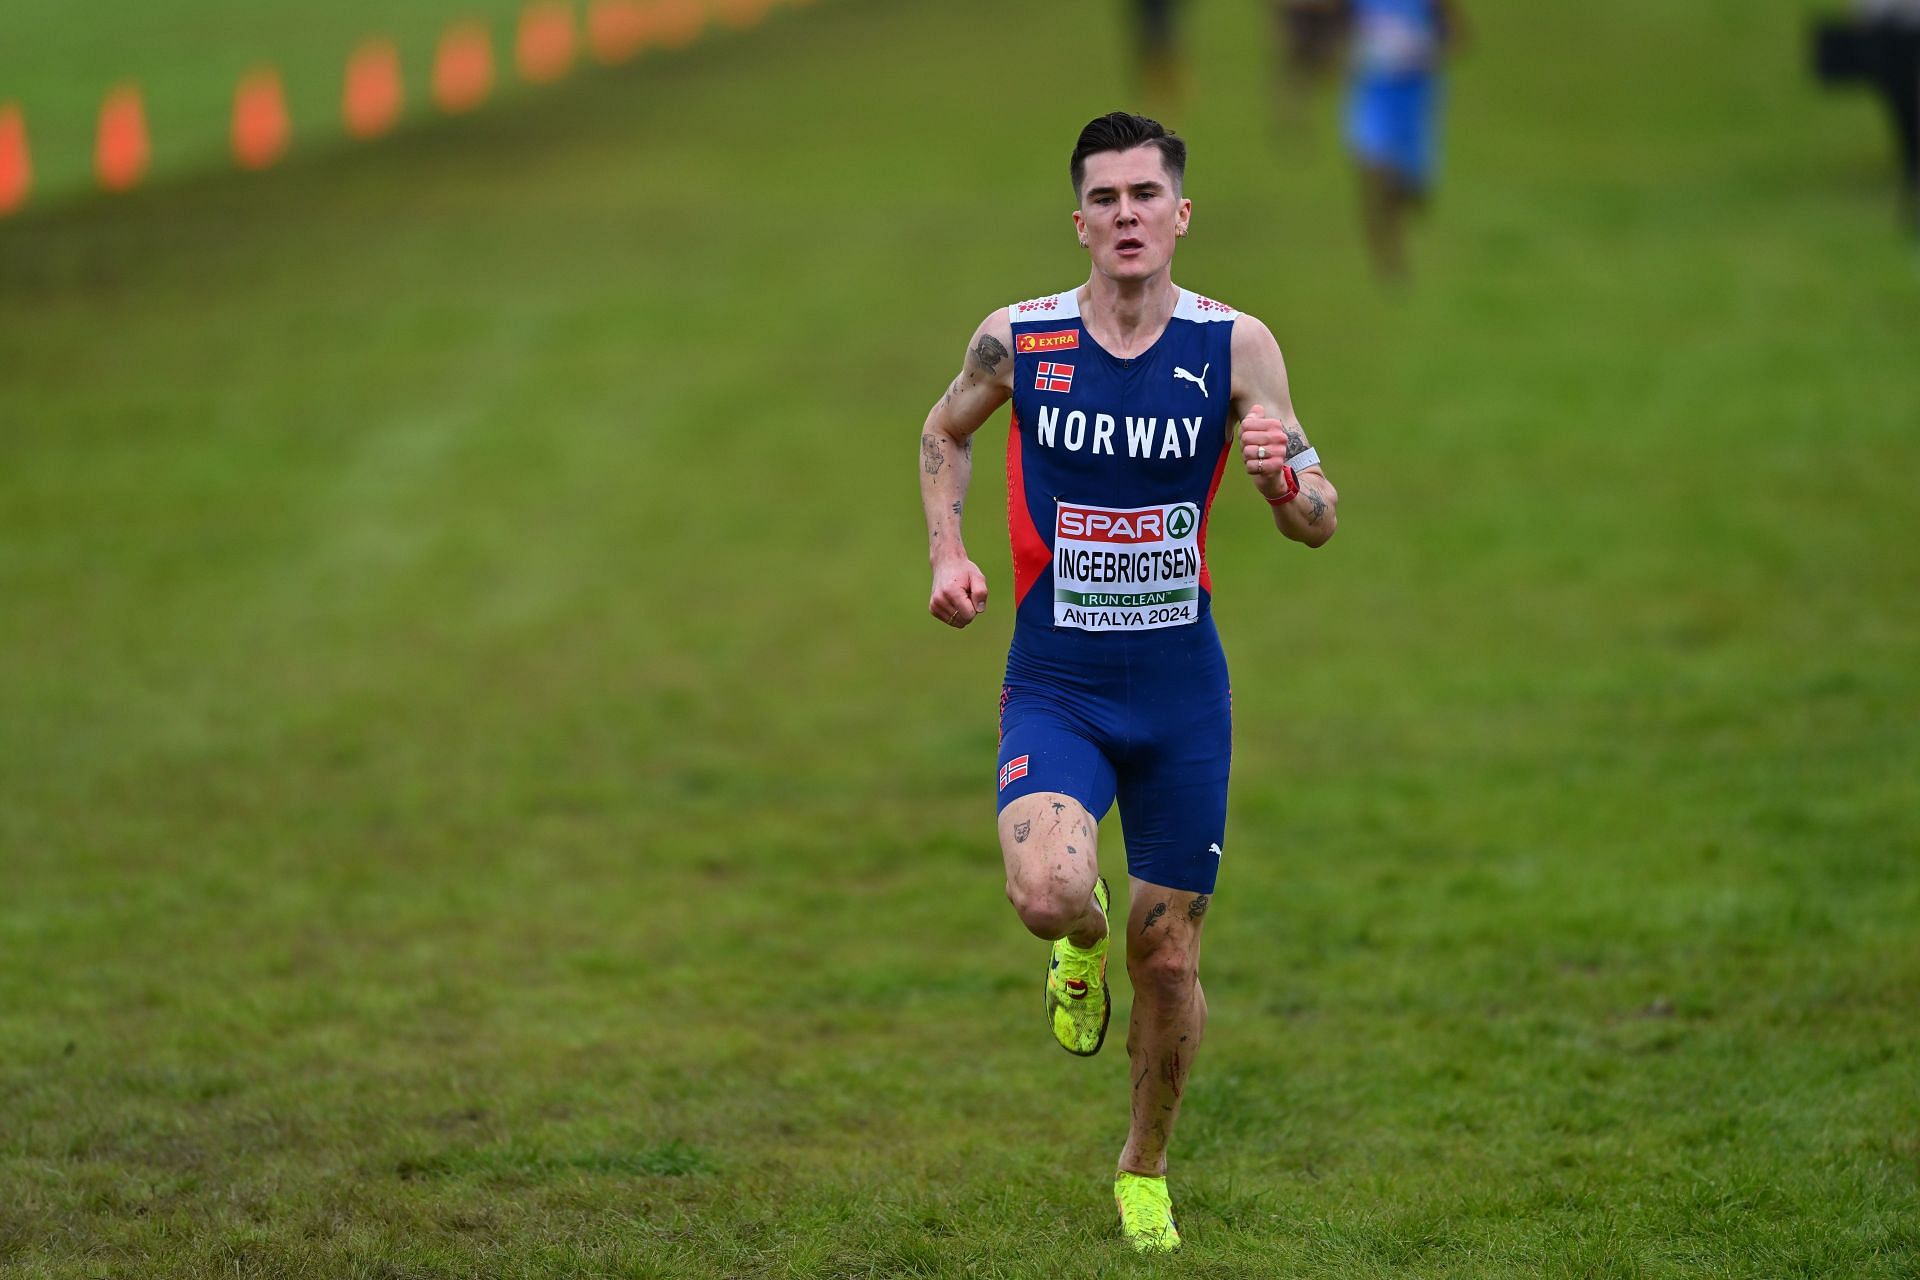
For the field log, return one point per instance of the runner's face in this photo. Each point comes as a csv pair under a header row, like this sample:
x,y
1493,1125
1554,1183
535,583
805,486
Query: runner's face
x,y
1130,213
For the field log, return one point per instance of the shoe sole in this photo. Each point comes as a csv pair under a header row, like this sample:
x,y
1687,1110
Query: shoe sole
x,y
1106,998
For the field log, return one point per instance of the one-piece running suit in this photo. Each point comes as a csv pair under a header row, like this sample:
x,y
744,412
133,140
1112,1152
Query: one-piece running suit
x,y
1116,685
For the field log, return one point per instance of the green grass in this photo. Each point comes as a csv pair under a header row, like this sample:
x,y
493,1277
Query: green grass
x,y
480,795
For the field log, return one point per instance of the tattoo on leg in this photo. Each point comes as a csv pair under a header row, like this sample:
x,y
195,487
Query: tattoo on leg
x,y
1198,907
1159,909
959,508
1072,852
1058,807
989,352
932,456
1021,831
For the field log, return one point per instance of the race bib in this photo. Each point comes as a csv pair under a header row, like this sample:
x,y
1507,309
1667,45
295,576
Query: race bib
x,y
1126,568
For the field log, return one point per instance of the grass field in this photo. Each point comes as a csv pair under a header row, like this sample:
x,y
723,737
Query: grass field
x,y
480,794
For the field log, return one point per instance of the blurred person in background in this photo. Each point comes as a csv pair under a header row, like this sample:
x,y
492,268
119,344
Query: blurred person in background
x,y
1116,685
1157,69
1904,11
1894,28
1393,114
1312,33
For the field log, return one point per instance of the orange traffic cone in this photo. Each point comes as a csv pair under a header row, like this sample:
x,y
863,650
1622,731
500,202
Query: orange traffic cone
x,y
16,166
617,29
371,100
678,22
121,148
544,50
261,129
463,67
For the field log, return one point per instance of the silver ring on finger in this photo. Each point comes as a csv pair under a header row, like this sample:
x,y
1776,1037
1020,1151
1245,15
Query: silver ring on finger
x,y
1263,453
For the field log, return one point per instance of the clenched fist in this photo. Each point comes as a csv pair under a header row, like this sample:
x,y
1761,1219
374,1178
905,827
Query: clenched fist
x,y
959,593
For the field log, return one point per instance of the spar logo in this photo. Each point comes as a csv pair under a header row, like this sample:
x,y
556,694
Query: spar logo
x,y
1144,524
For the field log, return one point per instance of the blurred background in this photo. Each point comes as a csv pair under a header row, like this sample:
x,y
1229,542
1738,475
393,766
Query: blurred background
x,y
480,792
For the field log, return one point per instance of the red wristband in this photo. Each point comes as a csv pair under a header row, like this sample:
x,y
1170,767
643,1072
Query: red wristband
x,y
1293,488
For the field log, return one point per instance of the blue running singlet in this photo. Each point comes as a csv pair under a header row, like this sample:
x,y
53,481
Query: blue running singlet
x,y
1116,684
1394,102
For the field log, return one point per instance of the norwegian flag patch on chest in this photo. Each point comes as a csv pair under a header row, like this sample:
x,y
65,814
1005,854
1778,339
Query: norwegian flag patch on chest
x,y
1052,376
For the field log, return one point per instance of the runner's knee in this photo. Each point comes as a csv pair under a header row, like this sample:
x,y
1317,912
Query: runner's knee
x,y
1163,972
1048,844
1048,910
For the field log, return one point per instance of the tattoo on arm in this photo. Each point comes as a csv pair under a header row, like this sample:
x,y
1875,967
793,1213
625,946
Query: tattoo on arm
x,y
1319,506
1198,907
989,352
1159,909
1296,442
932,455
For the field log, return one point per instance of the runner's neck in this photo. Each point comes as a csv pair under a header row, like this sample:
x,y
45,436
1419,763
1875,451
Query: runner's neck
x,y
1127,318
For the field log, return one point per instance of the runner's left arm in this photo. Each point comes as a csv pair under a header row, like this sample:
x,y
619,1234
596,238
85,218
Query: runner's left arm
x,y
1268,422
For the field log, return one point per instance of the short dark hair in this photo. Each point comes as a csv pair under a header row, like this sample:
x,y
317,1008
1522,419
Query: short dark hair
x,y
1120,131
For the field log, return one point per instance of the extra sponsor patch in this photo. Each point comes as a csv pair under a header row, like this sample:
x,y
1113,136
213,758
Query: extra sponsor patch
x,y
1011,770
1053,376
1057,340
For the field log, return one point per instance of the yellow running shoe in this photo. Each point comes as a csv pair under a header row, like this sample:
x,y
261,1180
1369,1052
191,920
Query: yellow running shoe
x,y
1076,1002
1146,1212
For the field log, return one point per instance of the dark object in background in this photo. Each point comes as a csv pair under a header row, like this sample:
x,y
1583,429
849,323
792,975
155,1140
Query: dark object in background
x,y
1886,54
1315,31
1157,69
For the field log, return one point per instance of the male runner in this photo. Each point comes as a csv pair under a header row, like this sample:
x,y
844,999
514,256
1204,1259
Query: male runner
x,y
1393,113
1125,396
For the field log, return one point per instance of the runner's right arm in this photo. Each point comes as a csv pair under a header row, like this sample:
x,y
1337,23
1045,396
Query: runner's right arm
x,y
946,466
